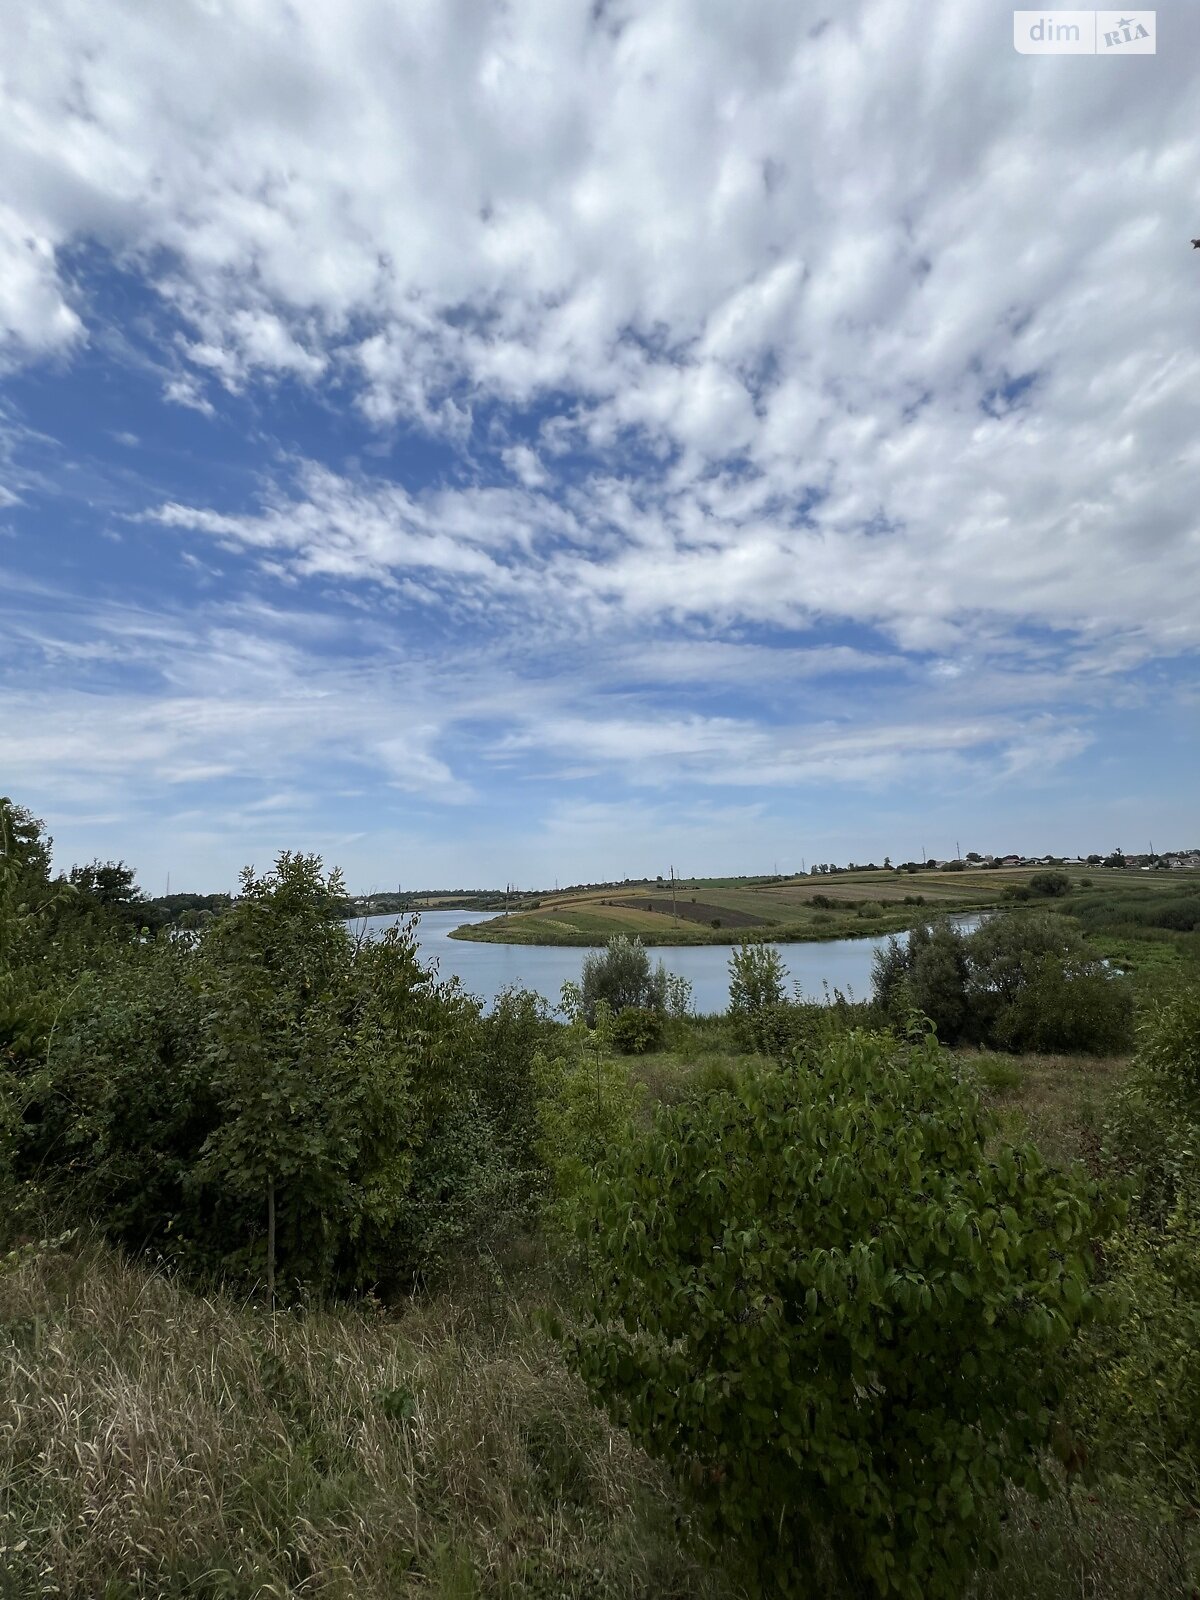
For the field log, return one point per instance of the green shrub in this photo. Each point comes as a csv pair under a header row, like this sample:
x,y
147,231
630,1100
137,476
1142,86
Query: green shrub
x,y
586,1104
1019,982
637,1030
1142,1395
1033,986
1068,1005
836,1315
620,975
1049,885
273,1100
757,977
517,1028
1153,1131
121,1107
998,1075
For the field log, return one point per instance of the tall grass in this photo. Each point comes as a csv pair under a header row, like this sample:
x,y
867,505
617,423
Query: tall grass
x,y
154,1442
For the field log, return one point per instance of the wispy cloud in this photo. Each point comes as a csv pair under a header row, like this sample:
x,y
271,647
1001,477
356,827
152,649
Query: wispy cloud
x,y
780,400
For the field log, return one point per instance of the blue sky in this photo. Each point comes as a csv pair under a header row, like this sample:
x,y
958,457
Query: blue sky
x,y
561,441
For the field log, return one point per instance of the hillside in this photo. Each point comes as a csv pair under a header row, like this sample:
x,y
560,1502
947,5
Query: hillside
x,y
810,907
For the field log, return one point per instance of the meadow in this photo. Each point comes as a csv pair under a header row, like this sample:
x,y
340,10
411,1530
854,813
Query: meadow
x,y
1118,903
157,1439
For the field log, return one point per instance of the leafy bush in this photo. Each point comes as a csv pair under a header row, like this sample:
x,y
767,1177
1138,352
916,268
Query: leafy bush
x,y
517,1028
925,973
1019,982
1049,885
586,1103
271,1099
637,1030
1153,1132
1141,1394
1033,986
756,986
122,1104
311,1067
836,1315
621,976
998,1075
1067,1004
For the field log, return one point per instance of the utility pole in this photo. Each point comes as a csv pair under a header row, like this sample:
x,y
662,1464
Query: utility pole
x,y
673,894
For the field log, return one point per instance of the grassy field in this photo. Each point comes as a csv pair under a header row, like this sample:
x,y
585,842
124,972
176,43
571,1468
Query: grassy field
x,y
725,911
157,1442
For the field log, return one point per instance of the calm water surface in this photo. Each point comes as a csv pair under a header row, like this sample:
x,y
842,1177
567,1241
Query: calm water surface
x,y
485,969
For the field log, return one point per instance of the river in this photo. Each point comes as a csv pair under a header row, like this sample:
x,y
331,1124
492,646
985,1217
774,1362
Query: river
x,y
485,969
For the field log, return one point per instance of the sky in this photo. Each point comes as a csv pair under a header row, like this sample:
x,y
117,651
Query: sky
x,y
487,443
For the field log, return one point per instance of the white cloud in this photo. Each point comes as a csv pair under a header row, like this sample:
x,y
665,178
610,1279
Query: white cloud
x,y
821,254
35,318
737,332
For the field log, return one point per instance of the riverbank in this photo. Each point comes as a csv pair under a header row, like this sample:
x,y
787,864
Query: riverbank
x,y
488,968
571,930
812,908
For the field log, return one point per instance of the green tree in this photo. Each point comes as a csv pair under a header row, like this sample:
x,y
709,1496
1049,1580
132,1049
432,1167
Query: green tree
x,y
937,978
25,847
108,891
1034,986
757,977
757,996
1018,982
839,1311
310,1066
31,969
621,975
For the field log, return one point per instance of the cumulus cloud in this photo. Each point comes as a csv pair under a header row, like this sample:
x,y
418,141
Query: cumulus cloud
x,y
823,254
733,328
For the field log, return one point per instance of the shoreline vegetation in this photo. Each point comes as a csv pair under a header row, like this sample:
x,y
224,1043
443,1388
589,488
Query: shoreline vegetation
x,y
318,1281
850,905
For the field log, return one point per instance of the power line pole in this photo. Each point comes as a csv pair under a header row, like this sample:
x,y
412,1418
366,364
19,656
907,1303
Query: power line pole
x,y
673,912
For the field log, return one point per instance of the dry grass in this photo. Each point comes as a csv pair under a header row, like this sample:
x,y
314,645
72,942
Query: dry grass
x,y
1056,1101
155,1443
1088,1546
